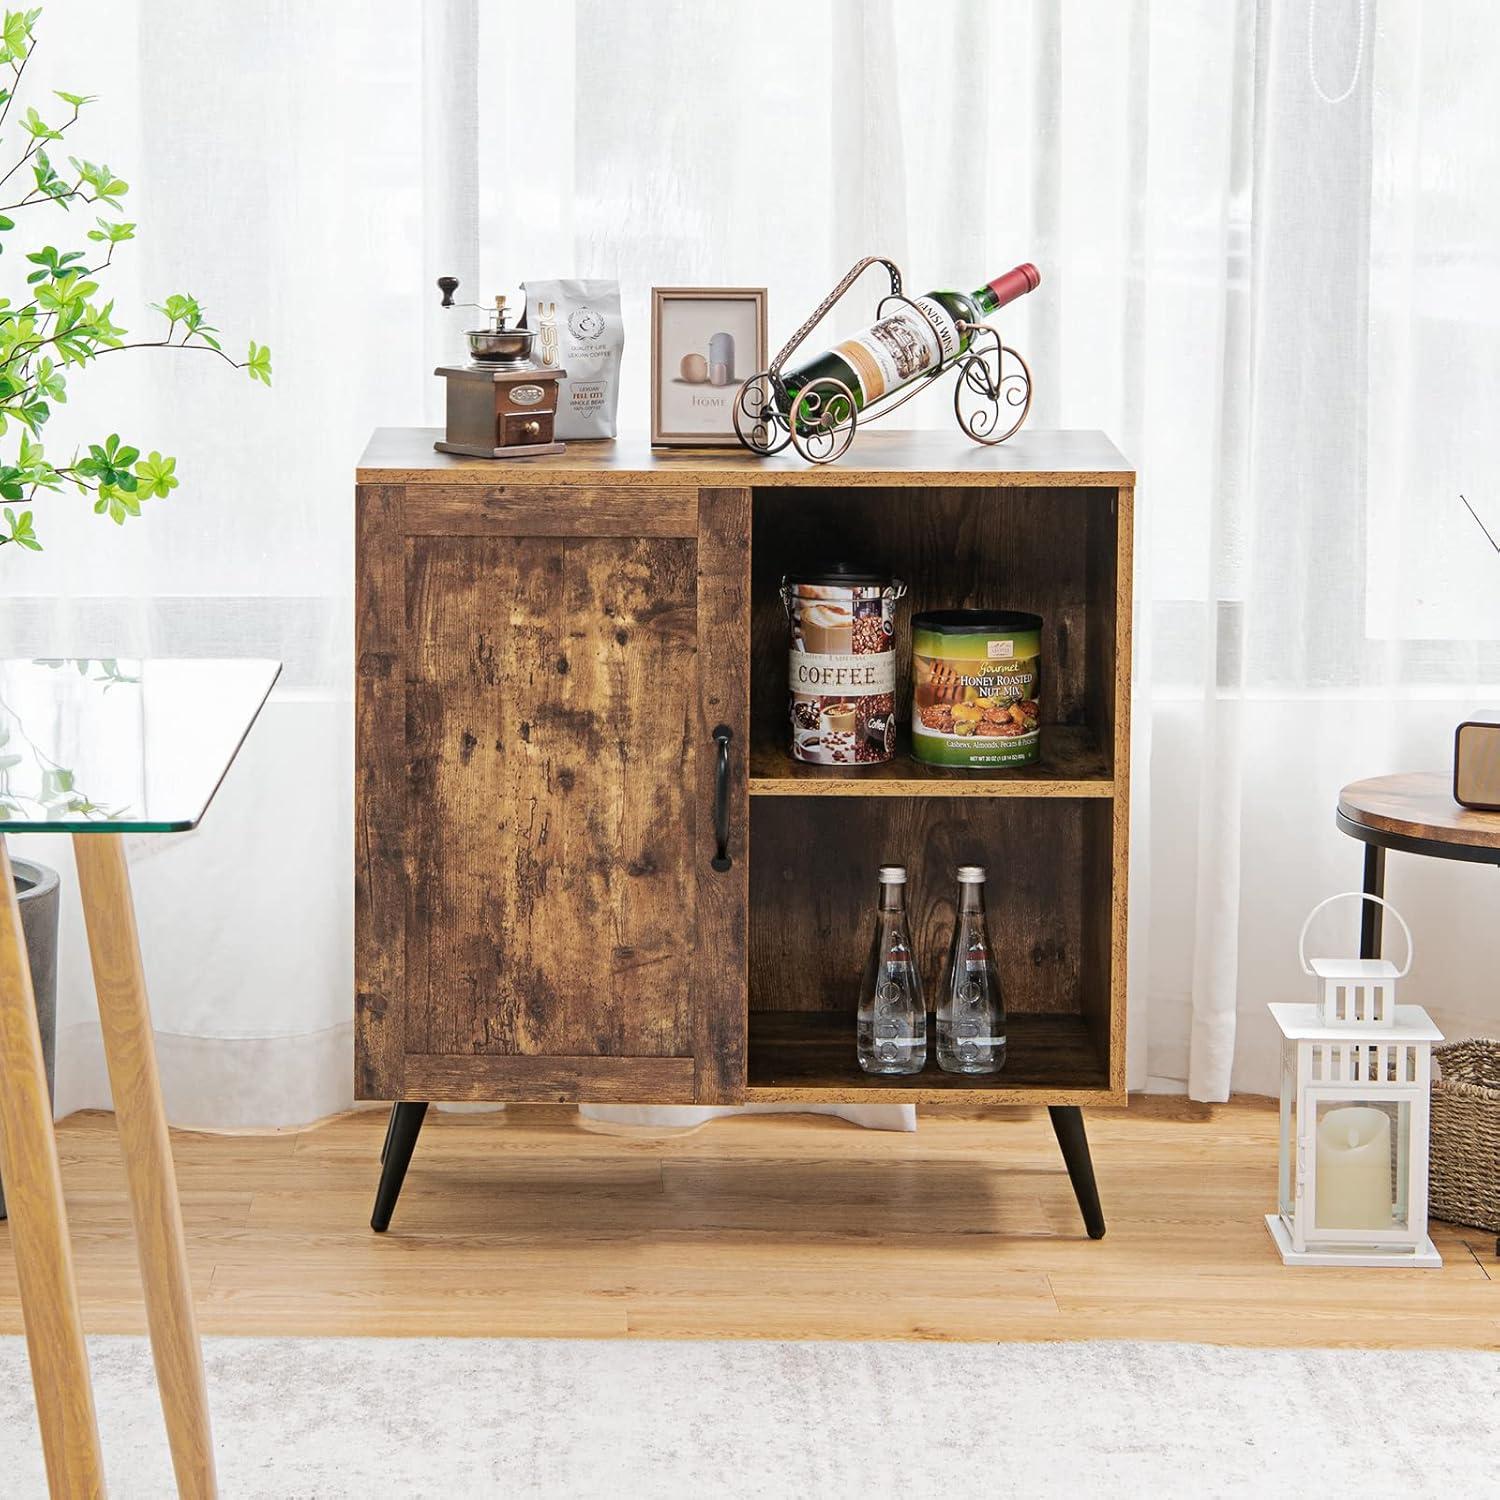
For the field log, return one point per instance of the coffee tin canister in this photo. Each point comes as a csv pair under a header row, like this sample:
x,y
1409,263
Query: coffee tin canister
x,y
976,685
841,669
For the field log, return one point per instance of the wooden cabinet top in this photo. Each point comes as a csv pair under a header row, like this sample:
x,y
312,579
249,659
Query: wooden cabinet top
x,y
1033,458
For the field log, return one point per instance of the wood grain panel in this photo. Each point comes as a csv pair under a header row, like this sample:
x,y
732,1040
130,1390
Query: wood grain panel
x,y
557,1080
720,981
1102,970
813,892
1106,843
1105,645
956,548
537,510
551,710
379,793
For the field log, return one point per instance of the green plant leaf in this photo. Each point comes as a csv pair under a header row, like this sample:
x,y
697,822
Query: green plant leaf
x,y
76,100
49,382
52,263
157,475
47,180
104,186
112,233
16,34
178,308
259,362
19,529
34,125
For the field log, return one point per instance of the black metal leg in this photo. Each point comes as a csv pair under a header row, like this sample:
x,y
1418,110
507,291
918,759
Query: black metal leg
x,y
1370,923
401,1140
390,1126
1067,1125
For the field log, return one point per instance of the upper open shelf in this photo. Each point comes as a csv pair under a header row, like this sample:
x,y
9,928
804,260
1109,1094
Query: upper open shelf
x,y
1072,765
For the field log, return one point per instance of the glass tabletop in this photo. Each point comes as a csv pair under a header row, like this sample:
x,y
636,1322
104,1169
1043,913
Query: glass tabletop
x,y
120,746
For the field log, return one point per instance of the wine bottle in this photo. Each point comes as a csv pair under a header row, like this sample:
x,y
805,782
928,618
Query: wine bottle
x,y
904,345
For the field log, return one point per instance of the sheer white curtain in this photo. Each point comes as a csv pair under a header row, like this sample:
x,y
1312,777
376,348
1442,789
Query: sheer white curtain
x,y
1268,242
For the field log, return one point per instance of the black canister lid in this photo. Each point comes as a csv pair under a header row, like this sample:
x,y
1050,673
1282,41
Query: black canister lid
x,y
976,621
840,575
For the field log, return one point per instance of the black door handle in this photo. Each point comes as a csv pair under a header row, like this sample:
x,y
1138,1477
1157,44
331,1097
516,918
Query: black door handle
x,y
722,736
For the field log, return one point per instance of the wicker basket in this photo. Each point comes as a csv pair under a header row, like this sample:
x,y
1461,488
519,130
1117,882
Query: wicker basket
x,y
1465,1180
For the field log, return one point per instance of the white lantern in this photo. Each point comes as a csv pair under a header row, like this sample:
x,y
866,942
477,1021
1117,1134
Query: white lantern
x,y
1356,1069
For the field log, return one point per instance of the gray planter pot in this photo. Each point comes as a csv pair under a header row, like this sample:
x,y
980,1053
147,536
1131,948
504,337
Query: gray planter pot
x,y
36,886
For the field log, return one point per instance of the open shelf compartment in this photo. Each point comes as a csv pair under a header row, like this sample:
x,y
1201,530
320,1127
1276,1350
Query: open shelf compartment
x,y
1051,551
1051,909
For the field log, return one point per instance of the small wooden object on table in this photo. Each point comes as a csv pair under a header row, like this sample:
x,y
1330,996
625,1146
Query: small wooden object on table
x,y
87,721
500,413
501,404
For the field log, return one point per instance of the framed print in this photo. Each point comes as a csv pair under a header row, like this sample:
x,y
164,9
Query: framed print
x,y
705,342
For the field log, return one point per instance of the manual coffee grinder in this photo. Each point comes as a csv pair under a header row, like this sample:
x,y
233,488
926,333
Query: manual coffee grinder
x,y
500,404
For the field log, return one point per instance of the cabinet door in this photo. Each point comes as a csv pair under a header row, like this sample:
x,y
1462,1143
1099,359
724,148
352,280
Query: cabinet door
x,y
542,911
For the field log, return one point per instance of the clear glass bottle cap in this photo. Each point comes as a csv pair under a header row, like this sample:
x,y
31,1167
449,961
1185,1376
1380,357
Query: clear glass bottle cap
x,y
893,874
971,874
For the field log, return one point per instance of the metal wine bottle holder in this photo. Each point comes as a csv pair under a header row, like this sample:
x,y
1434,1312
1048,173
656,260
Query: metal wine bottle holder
x,y
819,419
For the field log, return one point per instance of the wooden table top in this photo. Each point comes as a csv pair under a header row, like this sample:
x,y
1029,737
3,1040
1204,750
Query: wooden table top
x,y
1418,805
1035,458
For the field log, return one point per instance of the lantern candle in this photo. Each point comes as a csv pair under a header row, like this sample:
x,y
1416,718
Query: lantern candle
x,y
1354,1169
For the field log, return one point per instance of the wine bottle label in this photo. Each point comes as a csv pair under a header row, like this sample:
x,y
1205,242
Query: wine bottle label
x,y
900,347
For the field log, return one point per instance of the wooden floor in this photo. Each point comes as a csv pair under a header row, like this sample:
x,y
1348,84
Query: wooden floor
x,y
530,1223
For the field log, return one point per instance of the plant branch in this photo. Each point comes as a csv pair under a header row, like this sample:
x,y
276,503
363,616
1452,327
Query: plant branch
x,y
15,87
166,343
36,145
36,195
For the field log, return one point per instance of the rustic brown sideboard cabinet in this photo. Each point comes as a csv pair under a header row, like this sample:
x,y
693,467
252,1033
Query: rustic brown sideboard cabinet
x,y
586,868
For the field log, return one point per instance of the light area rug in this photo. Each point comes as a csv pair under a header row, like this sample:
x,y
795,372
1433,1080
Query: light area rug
x,y
623,1418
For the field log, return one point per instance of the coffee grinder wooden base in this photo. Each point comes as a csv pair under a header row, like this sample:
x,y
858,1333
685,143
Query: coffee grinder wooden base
x,y
500,412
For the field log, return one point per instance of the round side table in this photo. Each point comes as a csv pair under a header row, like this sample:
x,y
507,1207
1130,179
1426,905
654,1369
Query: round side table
x,y
1413,813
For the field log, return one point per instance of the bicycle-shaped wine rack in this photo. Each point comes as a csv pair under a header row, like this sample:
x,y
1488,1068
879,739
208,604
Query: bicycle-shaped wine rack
x,y
819,418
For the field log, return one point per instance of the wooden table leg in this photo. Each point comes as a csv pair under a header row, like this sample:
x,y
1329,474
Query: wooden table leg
x,y
39,1225
125,1015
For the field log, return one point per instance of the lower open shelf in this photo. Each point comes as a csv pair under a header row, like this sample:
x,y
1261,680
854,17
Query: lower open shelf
x,y
809,1055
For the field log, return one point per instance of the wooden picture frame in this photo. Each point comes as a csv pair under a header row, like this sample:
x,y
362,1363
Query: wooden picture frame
x,y
693,388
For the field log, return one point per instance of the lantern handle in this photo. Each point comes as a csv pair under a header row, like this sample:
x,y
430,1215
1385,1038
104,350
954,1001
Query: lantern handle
x,y
1363,896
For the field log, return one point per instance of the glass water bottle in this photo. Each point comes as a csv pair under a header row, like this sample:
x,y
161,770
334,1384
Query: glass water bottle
x,y
970,1010
892,1024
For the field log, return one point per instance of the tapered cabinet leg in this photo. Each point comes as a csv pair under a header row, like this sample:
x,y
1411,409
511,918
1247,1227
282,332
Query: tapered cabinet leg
x,y
400,1141
130,1051
39,1225
1067,1126
390,1126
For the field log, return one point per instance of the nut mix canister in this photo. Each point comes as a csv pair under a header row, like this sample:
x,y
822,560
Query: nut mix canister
x,y
842,666
975,687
